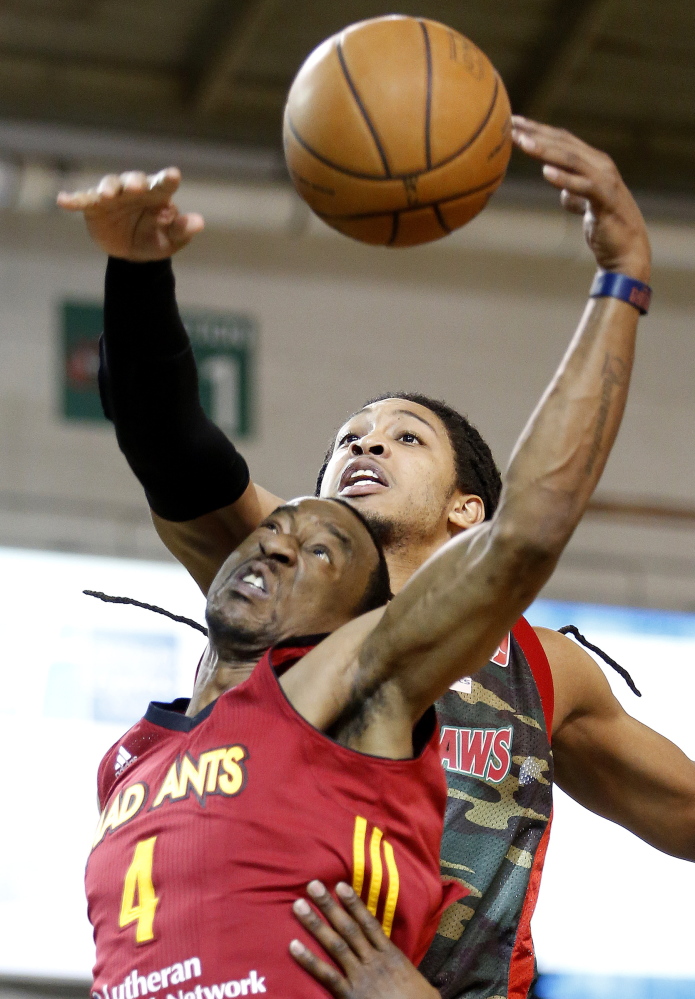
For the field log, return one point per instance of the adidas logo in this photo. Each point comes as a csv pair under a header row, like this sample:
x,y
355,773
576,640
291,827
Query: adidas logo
x,y
123,759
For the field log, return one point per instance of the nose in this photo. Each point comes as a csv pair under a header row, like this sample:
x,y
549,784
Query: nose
x,y
281,548
371,443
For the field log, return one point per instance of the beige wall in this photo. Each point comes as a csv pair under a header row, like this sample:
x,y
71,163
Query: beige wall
x,y
481,324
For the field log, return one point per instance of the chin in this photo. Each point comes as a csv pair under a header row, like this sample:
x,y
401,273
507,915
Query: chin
x,y
230,635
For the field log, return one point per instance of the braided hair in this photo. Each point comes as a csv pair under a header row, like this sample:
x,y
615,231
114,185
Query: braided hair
x,y
476,471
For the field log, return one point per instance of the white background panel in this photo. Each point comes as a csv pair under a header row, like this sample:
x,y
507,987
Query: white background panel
x,y
75,673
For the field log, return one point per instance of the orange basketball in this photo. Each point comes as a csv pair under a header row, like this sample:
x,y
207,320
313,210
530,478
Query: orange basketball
x,y
397,130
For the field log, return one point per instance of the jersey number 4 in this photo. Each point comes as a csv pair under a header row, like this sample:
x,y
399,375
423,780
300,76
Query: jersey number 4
x,y
139,902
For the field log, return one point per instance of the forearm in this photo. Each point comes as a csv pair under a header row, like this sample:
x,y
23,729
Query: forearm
x,y
149,382
563,450
621,782
452,614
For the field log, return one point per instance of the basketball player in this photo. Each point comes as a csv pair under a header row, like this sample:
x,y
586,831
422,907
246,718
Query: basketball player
x,y
430,477
212,819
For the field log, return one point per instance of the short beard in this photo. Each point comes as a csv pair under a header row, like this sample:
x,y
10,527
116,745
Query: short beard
x,y
392,535
235,641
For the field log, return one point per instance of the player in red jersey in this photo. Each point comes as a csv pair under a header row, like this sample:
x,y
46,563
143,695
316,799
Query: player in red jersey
x,y
604,758
323,759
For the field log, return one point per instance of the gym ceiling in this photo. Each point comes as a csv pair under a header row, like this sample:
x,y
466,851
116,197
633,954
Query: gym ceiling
x,y
620,73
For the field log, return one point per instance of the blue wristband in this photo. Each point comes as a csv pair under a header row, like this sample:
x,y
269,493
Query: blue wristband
x,y
607,284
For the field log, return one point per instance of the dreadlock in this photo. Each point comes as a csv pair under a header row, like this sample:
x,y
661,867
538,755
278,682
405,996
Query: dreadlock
x,y
571,629
150,607
476,471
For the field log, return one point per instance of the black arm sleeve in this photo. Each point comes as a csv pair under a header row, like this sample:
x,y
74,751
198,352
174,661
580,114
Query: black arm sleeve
x,y
149,388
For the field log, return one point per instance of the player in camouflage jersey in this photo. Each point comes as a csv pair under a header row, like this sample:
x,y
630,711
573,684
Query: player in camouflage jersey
x,y
408,456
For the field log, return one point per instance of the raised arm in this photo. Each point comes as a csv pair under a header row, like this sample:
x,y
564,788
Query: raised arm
x,y
196,483
450,617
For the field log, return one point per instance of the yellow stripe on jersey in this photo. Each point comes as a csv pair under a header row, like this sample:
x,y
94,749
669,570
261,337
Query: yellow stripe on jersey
x,y
376,843
358,854
394,886
377,870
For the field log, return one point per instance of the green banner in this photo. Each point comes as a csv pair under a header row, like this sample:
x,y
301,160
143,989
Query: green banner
x,y
223,346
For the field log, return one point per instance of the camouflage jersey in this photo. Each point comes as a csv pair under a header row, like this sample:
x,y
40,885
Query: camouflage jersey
x,y
495,748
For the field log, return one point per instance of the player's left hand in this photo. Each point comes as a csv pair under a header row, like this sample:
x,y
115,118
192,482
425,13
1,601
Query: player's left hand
x,y
374,967
590,185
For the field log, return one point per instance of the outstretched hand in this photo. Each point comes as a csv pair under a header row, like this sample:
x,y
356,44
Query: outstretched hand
x,y
591,186
132,215
374,967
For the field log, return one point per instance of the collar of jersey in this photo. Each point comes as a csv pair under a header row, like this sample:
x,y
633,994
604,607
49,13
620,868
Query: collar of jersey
x,y
173,715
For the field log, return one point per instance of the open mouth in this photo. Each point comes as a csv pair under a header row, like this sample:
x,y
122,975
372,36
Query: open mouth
x,y
252,580
362,477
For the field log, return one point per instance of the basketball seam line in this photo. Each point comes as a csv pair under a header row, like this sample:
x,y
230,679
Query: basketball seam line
x,y
440,218
394,228
412,208
479,129
363,110
428,99
398,176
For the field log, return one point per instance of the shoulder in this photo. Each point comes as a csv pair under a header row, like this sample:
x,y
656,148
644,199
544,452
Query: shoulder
x,y
579,683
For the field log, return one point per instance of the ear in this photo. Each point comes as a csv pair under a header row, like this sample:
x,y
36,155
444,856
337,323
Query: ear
x,y
466,511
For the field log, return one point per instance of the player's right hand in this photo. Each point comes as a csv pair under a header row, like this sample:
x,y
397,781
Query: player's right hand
x,y
374,968
590,185
132,215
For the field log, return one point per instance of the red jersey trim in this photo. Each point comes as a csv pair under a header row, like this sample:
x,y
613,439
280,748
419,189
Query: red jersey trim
x,y
540,667
523,963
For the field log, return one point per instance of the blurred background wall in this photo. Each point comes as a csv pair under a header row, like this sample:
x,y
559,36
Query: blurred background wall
x,y
480,319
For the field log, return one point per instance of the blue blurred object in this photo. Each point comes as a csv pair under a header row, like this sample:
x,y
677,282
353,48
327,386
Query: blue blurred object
x,y
600,617
612,987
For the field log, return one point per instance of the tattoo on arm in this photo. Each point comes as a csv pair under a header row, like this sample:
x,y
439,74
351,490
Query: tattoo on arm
x,y
614,375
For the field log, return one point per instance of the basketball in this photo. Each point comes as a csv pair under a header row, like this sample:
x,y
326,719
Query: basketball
x,y
397,130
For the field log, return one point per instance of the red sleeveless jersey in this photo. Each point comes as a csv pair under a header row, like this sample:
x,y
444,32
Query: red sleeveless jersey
x,y
212,826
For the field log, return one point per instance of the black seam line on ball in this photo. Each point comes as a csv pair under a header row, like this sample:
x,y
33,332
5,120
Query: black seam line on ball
x,y
395,176
336,166
479,129
413,208
428,98
363,110
440,218
394,228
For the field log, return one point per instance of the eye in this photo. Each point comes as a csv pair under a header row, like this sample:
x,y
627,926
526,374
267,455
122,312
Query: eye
x,y
347,439
409,438
321,552
273,528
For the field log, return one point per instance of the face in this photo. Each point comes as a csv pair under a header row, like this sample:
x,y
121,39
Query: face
x,y
304,571
394,462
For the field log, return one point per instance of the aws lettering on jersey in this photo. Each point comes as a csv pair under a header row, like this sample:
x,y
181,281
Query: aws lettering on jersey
x,y
477,752
217,771
136,985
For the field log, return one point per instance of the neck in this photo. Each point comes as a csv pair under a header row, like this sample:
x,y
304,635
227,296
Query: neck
x,y
404,560
216,675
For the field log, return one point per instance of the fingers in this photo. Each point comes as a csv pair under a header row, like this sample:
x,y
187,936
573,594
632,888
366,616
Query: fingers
x,y
370,926
357,925
334,943
132,186
78,200
575,183
570,164
167,181
182,228
573,203
555,146
331,979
